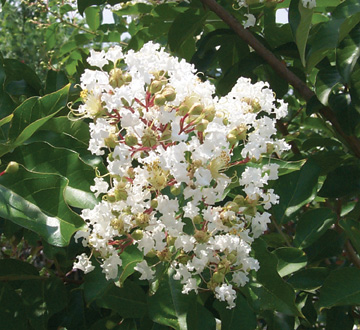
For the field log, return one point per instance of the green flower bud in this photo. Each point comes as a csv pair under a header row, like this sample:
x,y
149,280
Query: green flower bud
x,y
197,219
137,234
149,138
131,140
116,78
240,200
232,206
201,127
201,236
196,109
169,93
218,277
209,113
12,168
159,100
175,190
156,86
111,141
183,110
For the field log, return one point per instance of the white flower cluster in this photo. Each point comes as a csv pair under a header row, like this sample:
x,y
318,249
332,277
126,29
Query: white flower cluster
x,y
168,144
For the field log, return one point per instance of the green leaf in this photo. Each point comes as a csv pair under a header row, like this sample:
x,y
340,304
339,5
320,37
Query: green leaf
x,y
341,287
128,301
312,225
184,28
290,260
295,190
273,293
6,120
200,318
354,86
36,202
309,279
241,317
340,317
19,74
300,22
343,19
32,114
55,80
352,230
348,53
168,306
326,81
343,181
42,158
130,258
93,17
83,4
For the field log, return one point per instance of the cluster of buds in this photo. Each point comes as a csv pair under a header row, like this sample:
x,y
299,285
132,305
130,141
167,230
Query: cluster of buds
x,y
169,146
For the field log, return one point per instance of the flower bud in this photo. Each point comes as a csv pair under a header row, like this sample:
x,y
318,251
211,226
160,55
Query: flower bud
x,y
196,109
12,168
197,219
111,141
201,127
131,140
218,277
201,236
117,224
209,113
142,220
137,234
175,190
169,93
159,100
240,200
156,86
183,258
182,110
164,255
149,138
232,206
154,203
116,78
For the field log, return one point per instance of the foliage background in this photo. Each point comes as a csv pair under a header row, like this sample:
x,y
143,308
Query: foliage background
x,y
309,275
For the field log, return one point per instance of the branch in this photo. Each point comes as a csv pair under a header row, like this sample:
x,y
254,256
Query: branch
x,y
352,254
281,69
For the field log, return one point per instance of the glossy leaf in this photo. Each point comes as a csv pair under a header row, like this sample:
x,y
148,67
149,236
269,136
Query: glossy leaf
x,y
326,80
200,318
168,306
290,260
348,53
300,22
32,114
342,181
341,287
130,258
43,158
83,4
295,190
309,279
312,225
128,301
352,230
273,293
343,19
36,202
240,317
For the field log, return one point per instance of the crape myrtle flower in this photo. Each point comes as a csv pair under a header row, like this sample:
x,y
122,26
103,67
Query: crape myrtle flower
x,y
170,146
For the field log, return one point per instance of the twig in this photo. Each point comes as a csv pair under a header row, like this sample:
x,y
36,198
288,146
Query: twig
x,y
352,254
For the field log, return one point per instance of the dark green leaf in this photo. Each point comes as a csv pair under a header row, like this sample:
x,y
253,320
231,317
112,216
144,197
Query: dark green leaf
x,y
36,202
290,260
344,180
309,279
295,190
348,53
128,301
168,306
130,258
326,81
300,22
200,318
32,114
312,225
273,293
339,318
341,287
343,19
240,317
352,230
83,4
43,158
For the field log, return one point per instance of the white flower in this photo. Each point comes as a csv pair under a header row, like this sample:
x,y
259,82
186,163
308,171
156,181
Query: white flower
x,y
226,293
97,58
146,272
83,263
251,20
